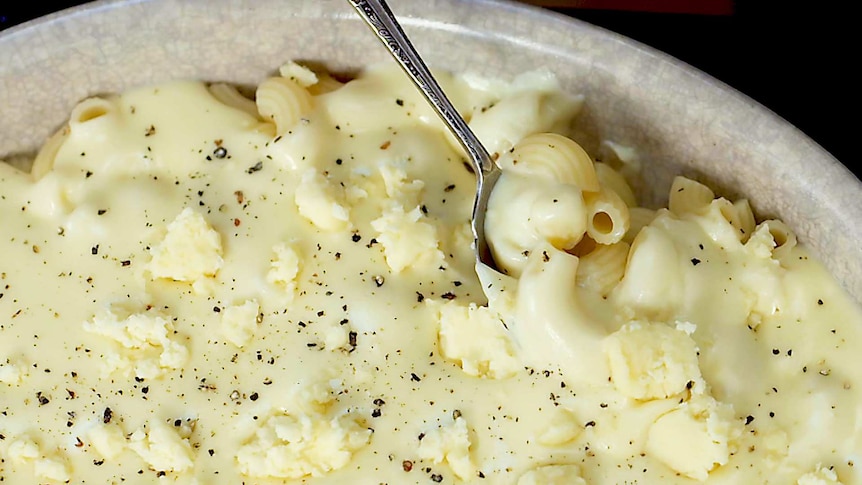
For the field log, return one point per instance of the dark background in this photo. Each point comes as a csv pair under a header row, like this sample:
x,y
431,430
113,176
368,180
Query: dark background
x,y
795,58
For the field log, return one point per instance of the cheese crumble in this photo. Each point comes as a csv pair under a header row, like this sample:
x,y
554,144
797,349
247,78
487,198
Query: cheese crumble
x,y
199,287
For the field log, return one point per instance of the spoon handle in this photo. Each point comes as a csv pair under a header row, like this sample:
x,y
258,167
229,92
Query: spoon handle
x,y
380,18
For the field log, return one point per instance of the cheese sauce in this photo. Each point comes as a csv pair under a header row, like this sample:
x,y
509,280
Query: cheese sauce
x,y
187,297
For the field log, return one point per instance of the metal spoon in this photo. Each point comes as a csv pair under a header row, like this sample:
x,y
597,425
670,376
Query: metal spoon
x,y
381,20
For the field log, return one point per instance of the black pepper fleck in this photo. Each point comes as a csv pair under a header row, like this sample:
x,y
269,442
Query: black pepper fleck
x,y
257,167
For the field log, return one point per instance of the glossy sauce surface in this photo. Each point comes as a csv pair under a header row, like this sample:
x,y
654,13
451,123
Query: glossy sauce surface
x,y
187,296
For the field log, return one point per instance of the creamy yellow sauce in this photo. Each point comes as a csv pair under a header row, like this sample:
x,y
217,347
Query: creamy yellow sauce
x,y
192,293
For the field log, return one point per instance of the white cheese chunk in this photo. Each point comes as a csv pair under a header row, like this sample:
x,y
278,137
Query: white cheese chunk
x,y
190,251
562,428
162,447
298,73
317,200
449,443
284,268
695,437
312,438
52,469
11,374
336,336
760,243
652,361
399,187
553,475
239,322
22,449
107,440
147,342
407,239
476,338
820,476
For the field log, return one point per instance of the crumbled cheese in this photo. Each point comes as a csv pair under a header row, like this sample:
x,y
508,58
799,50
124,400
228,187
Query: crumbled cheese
x,y
398,186
25,450
316,200
561,429
161,446
476,338
336,336
359,186
298,73
553,475
190,251
685,327
52,469
11,374
760,243
695,437
314,398
107,440
310,439
773,444
652,361
239,322
449,443
284,267
820,476
22,449
408,241
148,348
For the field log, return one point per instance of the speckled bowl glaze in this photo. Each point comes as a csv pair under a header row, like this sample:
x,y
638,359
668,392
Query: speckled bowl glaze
x,y
680,120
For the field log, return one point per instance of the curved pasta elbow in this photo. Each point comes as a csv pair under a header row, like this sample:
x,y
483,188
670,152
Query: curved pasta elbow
x,y
282,101
688,196
93,119
550,321
784,239
554,158
607,217
44,161
602,268
91,109
523,213
652,284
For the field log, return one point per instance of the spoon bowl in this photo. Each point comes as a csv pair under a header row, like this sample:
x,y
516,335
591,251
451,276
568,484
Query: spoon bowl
x,y
379,17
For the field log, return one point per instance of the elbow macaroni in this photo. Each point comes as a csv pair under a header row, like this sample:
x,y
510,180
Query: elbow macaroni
x,y
282,288
282,101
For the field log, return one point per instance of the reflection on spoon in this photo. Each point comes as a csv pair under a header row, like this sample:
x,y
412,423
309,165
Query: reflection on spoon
x,y
377,15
